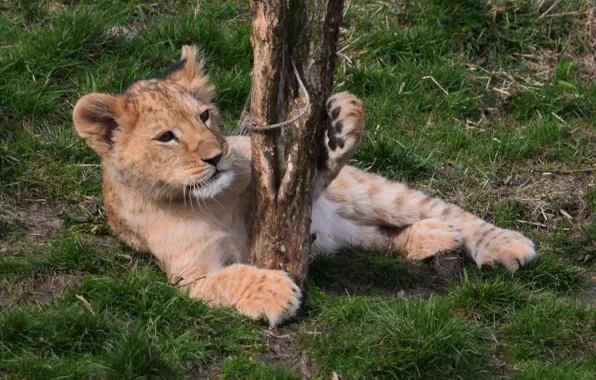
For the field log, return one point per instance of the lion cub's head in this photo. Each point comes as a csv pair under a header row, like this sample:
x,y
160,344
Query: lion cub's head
x,y
161,136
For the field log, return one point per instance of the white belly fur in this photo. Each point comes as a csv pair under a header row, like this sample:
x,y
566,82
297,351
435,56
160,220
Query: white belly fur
x,y
334,231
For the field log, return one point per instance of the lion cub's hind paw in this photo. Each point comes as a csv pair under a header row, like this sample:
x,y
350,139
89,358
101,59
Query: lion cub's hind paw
x,y
511,249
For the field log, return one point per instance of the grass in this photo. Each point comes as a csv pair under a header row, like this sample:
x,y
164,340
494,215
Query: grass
x,y
378,338
490,105
121,327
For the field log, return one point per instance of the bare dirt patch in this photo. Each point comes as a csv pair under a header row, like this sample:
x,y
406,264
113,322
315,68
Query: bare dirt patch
x,y
37,218
588,296
546,194
33,220
282,350
553,196
40,218
35,289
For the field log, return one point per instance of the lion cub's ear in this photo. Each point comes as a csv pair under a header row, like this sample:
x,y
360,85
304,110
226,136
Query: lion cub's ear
x,y
187,72
95,118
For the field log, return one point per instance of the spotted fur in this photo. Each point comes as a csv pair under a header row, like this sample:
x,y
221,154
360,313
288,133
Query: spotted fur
x,y
175,187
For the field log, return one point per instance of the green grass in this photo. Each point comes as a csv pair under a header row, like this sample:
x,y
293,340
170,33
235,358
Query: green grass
x,y
488,105
245,368
121,327
385,338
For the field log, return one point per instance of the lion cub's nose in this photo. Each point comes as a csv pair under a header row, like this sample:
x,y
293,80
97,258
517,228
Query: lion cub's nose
x,y
213,160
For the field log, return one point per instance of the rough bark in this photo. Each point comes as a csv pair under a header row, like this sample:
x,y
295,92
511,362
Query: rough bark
x,y
285,159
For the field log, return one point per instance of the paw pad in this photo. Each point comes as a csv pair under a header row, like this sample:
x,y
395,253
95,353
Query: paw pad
x,y
335,113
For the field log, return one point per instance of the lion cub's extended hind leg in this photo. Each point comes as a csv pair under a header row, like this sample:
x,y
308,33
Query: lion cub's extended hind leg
x,y
426,238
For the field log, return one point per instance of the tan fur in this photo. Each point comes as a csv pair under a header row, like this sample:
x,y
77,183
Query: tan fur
x,y
426,238
185,199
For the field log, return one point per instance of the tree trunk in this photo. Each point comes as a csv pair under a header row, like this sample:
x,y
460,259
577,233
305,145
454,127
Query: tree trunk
x,y
284,159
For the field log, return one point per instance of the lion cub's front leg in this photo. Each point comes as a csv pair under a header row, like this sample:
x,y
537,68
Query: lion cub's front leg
x,y
259,294
343,135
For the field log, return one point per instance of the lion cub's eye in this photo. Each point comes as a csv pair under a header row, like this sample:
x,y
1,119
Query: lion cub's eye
x,y
165,137
204,116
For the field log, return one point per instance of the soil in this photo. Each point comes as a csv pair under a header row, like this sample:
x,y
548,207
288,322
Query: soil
x,y
34,220
35,289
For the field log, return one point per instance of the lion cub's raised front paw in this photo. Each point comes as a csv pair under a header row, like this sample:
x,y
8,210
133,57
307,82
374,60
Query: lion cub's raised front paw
x,y
509,248
344,132
271,296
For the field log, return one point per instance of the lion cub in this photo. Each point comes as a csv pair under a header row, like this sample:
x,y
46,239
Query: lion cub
x,y
175,186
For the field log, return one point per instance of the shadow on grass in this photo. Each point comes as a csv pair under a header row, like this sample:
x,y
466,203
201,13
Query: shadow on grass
x,y
362,272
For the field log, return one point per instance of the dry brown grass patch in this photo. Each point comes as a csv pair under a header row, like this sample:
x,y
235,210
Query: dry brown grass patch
x,y
35,289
